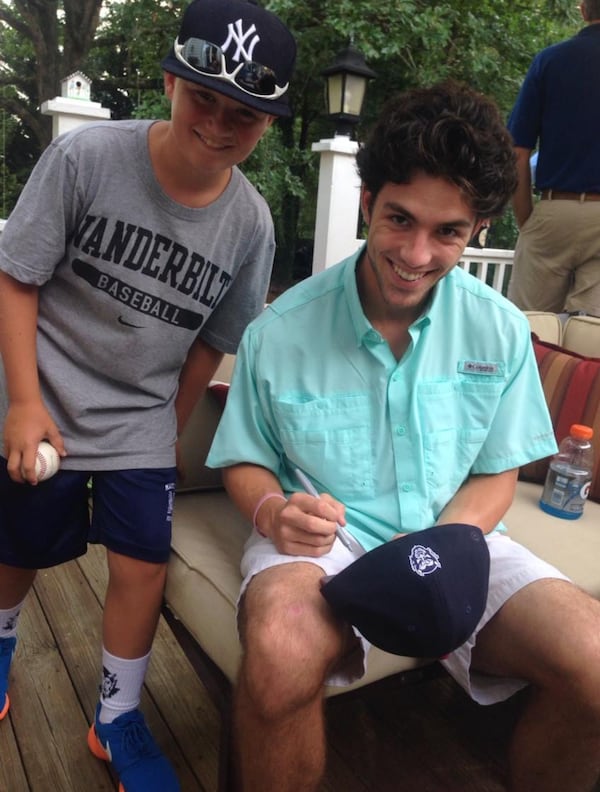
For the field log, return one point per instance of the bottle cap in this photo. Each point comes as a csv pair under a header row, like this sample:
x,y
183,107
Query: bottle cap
x,y
581,431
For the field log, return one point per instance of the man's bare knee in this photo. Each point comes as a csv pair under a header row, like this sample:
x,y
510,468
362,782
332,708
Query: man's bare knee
x,y
290,640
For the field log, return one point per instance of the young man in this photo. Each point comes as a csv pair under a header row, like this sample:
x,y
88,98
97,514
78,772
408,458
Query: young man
x,y
557,257
136,255
408,393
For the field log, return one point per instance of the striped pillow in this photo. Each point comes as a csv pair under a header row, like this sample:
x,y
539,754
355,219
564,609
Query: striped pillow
x,y
571,385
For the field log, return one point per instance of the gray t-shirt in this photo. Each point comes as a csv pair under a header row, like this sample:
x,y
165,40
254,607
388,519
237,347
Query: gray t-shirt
x,y
128,278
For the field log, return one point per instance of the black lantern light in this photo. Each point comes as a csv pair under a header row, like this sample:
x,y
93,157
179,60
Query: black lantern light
x,y
347,79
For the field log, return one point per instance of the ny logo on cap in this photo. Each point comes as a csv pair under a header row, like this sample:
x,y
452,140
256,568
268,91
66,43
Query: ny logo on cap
x,y
423,560
238,37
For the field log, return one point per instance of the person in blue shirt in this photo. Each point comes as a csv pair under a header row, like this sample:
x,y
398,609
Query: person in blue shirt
x,y
557,256
407,393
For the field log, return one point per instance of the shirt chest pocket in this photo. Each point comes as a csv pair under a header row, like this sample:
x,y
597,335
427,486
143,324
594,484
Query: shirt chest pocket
x,y
330,436
455,419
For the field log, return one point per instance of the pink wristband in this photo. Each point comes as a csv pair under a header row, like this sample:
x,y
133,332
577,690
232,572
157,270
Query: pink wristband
x,y
264,498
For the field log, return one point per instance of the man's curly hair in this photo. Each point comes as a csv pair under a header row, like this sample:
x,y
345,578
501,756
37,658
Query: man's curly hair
x,y
448,131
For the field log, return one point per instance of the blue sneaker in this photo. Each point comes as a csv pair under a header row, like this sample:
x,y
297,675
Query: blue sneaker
x,y
130,748
7,649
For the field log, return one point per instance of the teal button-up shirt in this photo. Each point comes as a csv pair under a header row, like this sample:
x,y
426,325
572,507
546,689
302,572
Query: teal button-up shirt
x,y
317,387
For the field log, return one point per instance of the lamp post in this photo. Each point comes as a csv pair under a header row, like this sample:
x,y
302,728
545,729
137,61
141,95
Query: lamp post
x,y
338,197
346,84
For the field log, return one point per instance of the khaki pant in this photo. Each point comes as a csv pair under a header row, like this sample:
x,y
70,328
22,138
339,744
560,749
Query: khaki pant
x,y
557,258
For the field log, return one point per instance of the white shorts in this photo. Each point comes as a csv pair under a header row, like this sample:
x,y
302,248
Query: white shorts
x,y
512,567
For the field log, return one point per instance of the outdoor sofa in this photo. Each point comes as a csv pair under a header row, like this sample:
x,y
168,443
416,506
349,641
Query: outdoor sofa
x,y
209,533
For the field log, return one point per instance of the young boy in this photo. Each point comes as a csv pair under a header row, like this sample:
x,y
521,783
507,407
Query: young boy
x,y
133,260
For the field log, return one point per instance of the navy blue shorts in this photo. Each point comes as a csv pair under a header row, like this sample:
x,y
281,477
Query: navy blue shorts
x,y
51,523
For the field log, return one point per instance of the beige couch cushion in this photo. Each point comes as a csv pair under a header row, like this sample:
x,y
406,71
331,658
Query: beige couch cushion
x,y
204,581
204,578
545,325
581,334
225,369
571,545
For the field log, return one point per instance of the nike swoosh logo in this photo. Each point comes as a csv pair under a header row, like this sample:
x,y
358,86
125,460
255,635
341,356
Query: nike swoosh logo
x,y
128,324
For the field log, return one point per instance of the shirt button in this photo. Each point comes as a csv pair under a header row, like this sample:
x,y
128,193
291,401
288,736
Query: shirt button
x,y
401,431
407,487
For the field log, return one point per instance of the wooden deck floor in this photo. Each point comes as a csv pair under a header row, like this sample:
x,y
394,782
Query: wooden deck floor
x,y
427,737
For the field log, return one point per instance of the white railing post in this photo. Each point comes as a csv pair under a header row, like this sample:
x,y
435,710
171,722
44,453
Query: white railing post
x,y
338,202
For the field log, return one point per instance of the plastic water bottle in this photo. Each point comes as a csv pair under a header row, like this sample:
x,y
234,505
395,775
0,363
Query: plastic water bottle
x,y
569,475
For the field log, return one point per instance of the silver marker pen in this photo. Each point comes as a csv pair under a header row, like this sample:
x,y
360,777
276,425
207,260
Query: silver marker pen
x,y
308,487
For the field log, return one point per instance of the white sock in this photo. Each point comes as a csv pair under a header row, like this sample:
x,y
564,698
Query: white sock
x,y
121,687
8,621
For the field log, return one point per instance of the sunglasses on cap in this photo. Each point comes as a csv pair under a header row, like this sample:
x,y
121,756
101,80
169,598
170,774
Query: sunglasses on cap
x,y
206,58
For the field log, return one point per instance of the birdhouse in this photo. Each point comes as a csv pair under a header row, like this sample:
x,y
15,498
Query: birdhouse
x,y
76,86
73,106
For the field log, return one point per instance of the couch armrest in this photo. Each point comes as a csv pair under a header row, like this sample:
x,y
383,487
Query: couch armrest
x,y
194,445
196,439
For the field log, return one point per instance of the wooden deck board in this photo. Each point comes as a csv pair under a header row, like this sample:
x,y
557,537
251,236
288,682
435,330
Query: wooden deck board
x,y
46,714
406,734
12,773
428,737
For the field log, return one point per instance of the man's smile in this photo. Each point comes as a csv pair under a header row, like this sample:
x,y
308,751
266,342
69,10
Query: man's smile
x,y
409,276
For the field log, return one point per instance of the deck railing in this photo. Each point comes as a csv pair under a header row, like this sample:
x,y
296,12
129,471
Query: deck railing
x,y
491,265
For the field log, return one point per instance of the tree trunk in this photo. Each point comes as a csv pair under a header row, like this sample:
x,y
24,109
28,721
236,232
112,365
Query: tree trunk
x,y
39,22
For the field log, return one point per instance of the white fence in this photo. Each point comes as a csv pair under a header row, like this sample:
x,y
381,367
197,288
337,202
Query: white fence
x,y
491,265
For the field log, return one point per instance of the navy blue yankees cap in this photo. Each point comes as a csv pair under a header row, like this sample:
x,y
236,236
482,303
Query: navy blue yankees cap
x,y
237,48
421,595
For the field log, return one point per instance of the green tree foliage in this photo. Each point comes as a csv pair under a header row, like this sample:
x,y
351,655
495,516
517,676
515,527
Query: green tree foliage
x,y
488,44
125,60
41,41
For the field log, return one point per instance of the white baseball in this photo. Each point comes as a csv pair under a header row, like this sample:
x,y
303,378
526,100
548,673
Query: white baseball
x,y
47,461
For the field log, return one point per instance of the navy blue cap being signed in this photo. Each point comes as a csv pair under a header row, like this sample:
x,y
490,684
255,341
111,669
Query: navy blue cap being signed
x,y
236,48
421,595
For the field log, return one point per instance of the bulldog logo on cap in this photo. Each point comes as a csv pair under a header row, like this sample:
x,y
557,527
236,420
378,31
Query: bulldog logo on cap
x,y
423,560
